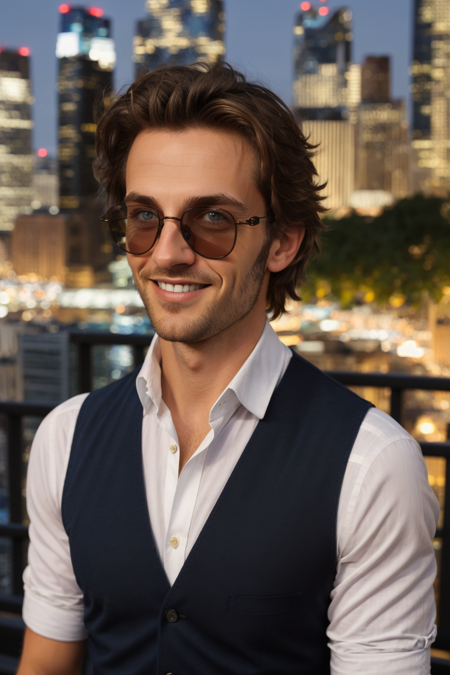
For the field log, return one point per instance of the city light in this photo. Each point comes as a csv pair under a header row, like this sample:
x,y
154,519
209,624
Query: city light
x,y
24,51
96,11
42,152
410,350
323,11
64,9
305,6
426,426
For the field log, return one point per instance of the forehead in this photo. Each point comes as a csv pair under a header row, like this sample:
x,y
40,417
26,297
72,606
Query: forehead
x,y
190,160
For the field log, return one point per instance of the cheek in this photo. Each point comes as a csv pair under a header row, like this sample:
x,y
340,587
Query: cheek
x,y
136,263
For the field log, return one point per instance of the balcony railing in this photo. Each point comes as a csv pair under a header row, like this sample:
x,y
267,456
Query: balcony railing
x,y
11,625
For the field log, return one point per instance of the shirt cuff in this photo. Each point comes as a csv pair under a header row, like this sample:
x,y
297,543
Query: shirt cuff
x,y
389,663
56,623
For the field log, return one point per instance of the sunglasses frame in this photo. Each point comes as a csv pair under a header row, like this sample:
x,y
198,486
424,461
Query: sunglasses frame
x,y
254,220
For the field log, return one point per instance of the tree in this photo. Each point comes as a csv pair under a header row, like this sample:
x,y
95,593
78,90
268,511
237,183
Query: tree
x,y
402,255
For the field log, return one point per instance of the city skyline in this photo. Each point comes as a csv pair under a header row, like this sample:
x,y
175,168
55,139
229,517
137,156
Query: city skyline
x,y
268,60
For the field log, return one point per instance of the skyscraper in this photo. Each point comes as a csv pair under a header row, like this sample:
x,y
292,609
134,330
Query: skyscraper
x,y
421,68
87,57
381,135
16,160
326,94
322,59
376,79
179,32
45,182
430,71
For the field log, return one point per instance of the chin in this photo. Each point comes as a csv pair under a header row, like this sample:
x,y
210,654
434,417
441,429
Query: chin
x,y
188,332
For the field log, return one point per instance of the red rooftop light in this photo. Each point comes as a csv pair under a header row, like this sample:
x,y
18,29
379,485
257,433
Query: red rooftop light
x,y
42,152
24,51
96,11
323,11
305,6
64,9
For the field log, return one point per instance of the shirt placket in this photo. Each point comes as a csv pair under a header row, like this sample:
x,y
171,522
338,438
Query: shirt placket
x,y
183,504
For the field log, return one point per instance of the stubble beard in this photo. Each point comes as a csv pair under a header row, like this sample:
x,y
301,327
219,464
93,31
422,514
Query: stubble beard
x,y
215,319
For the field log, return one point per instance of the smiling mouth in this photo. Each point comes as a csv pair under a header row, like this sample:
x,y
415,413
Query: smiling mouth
x,y
179,288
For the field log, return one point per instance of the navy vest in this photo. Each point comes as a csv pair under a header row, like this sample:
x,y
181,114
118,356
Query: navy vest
x,y
253,594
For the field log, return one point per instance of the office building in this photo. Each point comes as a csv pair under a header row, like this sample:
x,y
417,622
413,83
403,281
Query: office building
x,y
376,79
335,158
45,185
327,93
421,68
86,55
322,60
381,136
38,245
430,72
43,364
179,32
16,160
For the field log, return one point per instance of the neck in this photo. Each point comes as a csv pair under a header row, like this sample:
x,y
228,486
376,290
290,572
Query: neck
x,y
193,375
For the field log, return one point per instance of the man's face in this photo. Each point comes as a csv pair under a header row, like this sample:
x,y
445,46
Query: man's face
x,y
174,170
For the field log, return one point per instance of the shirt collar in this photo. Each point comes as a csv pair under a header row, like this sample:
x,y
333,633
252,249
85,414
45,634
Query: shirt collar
x,y
253,385
255,382
148,382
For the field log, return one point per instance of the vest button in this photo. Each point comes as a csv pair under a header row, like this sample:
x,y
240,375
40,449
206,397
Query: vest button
x,y
171,615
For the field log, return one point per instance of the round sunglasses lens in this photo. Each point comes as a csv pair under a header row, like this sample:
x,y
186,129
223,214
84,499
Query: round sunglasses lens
x,y
209,232
142,228
134,228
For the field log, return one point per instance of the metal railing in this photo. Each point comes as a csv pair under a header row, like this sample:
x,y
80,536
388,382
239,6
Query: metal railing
x,y
11,628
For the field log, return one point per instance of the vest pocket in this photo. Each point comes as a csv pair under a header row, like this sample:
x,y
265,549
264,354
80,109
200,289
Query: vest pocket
x,y
263,604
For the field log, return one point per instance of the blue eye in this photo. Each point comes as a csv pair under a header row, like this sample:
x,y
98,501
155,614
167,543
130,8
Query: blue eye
x,y
215,216
147,216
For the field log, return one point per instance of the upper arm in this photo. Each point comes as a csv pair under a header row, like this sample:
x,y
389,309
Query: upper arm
x,y
382,609
53,604
42,656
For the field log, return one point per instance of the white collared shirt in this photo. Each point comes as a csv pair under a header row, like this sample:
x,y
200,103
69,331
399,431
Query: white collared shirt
x,y
382,604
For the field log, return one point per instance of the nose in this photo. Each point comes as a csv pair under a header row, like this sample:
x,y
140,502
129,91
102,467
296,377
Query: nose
x,y
171,249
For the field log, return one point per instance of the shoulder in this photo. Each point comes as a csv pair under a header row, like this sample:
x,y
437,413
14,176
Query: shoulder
x,y
379,434
300,368
385,486
50,452
378,430
61,419
386,468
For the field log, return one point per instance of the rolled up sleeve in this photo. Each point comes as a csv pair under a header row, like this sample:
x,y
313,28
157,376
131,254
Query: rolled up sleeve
x,y
53,603
382,611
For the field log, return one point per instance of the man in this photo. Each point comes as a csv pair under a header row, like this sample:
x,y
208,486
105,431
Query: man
x,y
228,508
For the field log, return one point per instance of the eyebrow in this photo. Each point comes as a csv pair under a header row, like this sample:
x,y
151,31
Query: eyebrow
x,y
219,199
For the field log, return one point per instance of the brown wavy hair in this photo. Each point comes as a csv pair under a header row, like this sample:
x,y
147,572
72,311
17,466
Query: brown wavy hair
x,y
219,97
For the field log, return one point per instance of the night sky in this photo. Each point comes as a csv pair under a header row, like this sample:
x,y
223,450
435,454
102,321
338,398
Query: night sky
x,y
258,39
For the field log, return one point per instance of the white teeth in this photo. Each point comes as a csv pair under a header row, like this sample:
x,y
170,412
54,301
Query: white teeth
x,y
178,288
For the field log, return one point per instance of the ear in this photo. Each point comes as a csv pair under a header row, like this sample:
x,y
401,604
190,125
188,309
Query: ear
x,y
284,249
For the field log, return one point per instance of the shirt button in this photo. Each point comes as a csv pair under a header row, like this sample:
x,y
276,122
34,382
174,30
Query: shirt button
x,y
173,448
174,541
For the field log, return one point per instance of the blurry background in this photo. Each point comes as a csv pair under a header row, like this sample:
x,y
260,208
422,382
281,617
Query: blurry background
x,y
368,80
